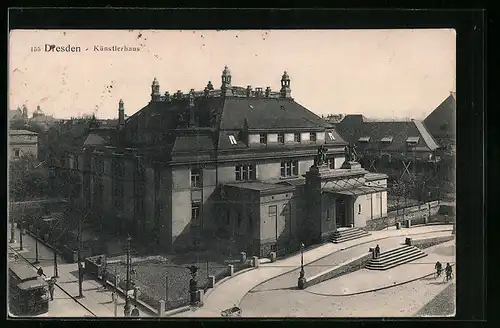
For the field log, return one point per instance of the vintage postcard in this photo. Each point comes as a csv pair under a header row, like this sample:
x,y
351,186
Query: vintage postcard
x,y
242,173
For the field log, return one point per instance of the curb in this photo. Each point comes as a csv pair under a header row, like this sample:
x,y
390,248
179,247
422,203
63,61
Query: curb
x,y
340,250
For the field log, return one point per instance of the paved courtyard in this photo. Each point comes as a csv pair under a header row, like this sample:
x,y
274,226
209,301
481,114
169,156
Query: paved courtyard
x,y
332,298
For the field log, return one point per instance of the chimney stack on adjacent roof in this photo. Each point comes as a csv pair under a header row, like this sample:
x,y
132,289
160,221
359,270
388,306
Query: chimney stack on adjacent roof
x,y
121,115
167,96
178,95
155,90
249,90
258,92
210,86
285,91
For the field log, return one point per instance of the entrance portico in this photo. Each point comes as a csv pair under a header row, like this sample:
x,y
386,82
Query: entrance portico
x,y
340,198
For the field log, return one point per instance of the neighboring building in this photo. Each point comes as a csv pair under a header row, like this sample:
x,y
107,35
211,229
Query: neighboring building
x,y
441,123
228,164
22,142
18,118
396,148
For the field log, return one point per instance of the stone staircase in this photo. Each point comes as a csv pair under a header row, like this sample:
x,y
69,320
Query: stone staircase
x,y
395,257
343,235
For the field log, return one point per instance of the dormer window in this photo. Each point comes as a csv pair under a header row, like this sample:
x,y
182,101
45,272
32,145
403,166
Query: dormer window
x,y
386,139
312,136
232,140
281,138
412,140
331,136
263,138
364,139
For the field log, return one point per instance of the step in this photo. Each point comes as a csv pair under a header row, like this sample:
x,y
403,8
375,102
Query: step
x,y
396,264
348,232
394,258
344,239
394,251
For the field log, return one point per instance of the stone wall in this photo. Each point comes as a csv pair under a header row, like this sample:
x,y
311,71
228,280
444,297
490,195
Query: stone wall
x,y
416,214
339,270
429,242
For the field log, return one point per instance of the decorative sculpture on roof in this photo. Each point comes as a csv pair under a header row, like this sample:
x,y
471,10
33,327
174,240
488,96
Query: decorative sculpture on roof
x,y
321,156
350,153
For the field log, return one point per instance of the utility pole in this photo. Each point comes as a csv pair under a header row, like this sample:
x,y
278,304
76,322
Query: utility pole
x,y
126,309
56,273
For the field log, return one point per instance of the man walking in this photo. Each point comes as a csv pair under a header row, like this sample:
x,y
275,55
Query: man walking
x,y
449,272
52,283
438,267
377,251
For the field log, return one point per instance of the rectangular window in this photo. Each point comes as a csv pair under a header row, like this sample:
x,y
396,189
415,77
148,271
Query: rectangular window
x,y
281,138
331,163
273,209
263,138
245,172
289,168
359,209
196,178
232,140
312,136
195,214
16,152
296,137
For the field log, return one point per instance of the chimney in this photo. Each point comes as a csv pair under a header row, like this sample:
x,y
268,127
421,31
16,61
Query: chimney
x,y
178,95
268,92
167,96
191,109
249,91
121,115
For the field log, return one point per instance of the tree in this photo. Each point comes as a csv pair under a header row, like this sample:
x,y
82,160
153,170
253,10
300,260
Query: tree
x,y
27,178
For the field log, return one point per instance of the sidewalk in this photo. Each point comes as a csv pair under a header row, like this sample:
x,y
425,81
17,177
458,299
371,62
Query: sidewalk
x,y
232,291
96,299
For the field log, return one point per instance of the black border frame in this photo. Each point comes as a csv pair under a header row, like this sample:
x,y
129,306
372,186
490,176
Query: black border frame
x,y
470,26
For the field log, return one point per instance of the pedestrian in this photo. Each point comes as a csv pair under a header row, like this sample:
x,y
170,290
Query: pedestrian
x,y
52,283
439,268
40,271
377,251
449,272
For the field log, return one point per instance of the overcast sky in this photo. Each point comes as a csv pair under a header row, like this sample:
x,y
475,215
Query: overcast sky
x,y
378,73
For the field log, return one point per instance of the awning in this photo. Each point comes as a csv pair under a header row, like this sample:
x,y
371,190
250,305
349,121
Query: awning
x,y
356,191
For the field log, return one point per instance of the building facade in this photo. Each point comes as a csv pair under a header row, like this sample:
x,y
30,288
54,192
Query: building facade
x,y
226,164
22,142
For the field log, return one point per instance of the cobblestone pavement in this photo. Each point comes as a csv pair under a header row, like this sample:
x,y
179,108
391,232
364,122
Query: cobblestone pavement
x,y
325,299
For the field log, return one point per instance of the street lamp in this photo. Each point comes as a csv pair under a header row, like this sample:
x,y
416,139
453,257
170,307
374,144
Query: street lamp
x,y
302,278
126,309
21,235
36,246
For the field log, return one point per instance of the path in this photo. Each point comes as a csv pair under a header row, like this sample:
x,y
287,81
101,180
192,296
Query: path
x,y
232,291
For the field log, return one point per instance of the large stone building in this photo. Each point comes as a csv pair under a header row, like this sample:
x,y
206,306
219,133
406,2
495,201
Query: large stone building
x,y
22,142
233,163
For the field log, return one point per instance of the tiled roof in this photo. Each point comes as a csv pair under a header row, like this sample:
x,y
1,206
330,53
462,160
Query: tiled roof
x,y
267,113
193,143
441,122
354,128
93,140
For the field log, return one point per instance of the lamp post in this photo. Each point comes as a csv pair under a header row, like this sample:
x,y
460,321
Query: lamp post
x,y
126,309
193,284
21,235
429,203
302,278
56,272
36,246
